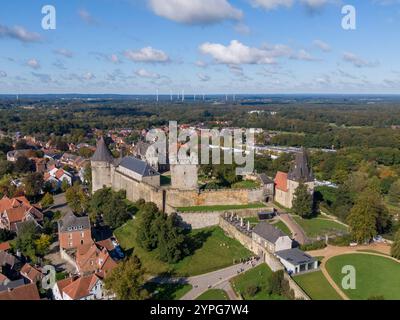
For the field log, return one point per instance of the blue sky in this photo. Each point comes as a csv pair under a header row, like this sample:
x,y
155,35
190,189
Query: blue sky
x,y
200,46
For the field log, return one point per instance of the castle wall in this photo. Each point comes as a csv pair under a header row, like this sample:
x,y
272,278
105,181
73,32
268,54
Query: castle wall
x,y
189,198
184,177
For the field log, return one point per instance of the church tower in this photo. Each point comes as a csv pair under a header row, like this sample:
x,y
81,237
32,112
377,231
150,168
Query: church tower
x,y
102,162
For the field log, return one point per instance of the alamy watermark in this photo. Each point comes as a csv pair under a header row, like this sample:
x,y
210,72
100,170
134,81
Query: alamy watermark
x,y
192,146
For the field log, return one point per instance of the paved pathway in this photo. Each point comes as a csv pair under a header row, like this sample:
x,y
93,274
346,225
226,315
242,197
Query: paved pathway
x,y
217,279
297,232
60,204
382,249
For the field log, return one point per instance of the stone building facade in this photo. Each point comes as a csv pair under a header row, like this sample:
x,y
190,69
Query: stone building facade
x,y
287,183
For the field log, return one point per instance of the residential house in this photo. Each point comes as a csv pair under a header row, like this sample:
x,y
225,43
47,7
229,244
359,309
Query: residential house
x,y
271,238
30,273
94,258
13,155
25,292
57,176
74,161
18,210
74,231
146,152
88,287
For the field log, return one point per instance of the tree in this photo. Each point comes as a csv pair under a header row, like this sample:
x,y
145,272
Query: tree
x,y
368,216
395,250
25,241
77,199
42,244
6,167
394,193
303,201
64,185
6,187
126,280
145,235
34,184
47,200
23,165
6,235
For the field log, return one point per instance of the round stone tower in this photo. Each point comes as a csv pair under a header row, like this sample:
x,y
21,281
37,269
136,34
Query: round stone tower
x,y
101,162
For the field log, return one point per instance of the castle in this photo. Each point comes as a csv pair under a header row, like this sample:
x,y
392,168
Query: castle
x,y
287,183
142,181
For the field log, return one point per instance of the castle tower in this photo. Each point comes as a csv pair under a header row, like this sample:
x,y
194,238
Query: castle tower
x,y
300,172
184,176
101,163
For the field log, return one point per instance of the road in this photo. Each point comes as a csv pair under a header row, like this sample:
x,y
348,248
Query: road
x,y
217,280
60,204
297,232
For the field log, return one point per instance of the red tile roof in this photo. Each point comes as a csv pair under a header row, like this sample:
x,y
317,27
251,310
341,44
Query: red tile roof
x,y
281,181
2,278
27,292
30,273
4,246
80,288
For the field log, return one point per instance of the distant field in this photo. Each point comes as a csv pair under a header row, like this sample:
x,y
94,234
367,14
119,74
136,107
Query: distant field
x,y
255,277
221,207
375,275
320,226
316,286
213,294
213,250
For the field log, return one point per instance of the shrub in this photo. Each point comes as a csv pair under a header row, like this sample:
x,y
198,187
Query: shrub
x,y
252,290
342,241
313,246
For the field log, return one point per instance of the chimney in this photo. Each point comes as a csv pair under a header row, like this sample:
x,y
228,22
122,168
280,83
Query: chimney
x,y
248,225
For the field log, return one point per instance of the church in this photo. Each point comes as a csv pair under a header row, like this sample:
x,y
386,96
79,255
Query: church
x,y
287,183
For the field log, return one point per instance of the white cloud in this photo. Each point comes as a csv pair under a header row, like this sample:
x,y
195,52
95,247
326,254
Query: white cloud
x,y
238,53
143,73
64,52
3,74
196,11
19,33
147,54
201,64
303,55
203,77
86,17
33,63
272,4
322,45
357,61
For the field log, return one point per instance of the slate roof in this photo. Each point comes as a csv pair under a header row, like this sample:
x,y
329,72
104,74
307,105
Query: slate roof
x,y
264,179
138,166
268,232
70,222
9,285
295,256
301,170
102,152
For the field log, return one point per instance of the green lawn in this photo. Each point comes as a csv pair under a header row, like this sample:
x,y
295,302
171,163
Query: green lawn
x,y
213,250
316,286
255,277
375,275
167,291
283,227
213,294
320,226
246,184
221,207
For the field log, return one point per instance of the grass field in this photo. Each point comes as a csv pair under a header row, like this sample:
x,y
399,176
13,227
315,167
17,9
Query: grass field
x,y
255,277
213,294
246,184
167,291
283,227
320,226
375,275
212,250
221,207
316,286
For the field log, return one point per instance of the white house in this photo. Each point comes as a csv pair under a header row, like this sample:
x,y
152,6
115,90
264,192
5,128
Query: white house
x,y
79,288
57,176
271,238
296,261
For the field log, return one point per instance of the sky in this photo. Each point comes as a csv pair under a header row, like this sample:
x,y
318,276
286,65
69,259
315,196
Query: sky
x,y
200,47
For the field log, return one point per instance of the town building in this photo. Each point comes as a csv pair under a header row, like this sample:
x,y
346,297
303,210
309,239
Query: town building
x,y
74,231
23,292
88,287
296,261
